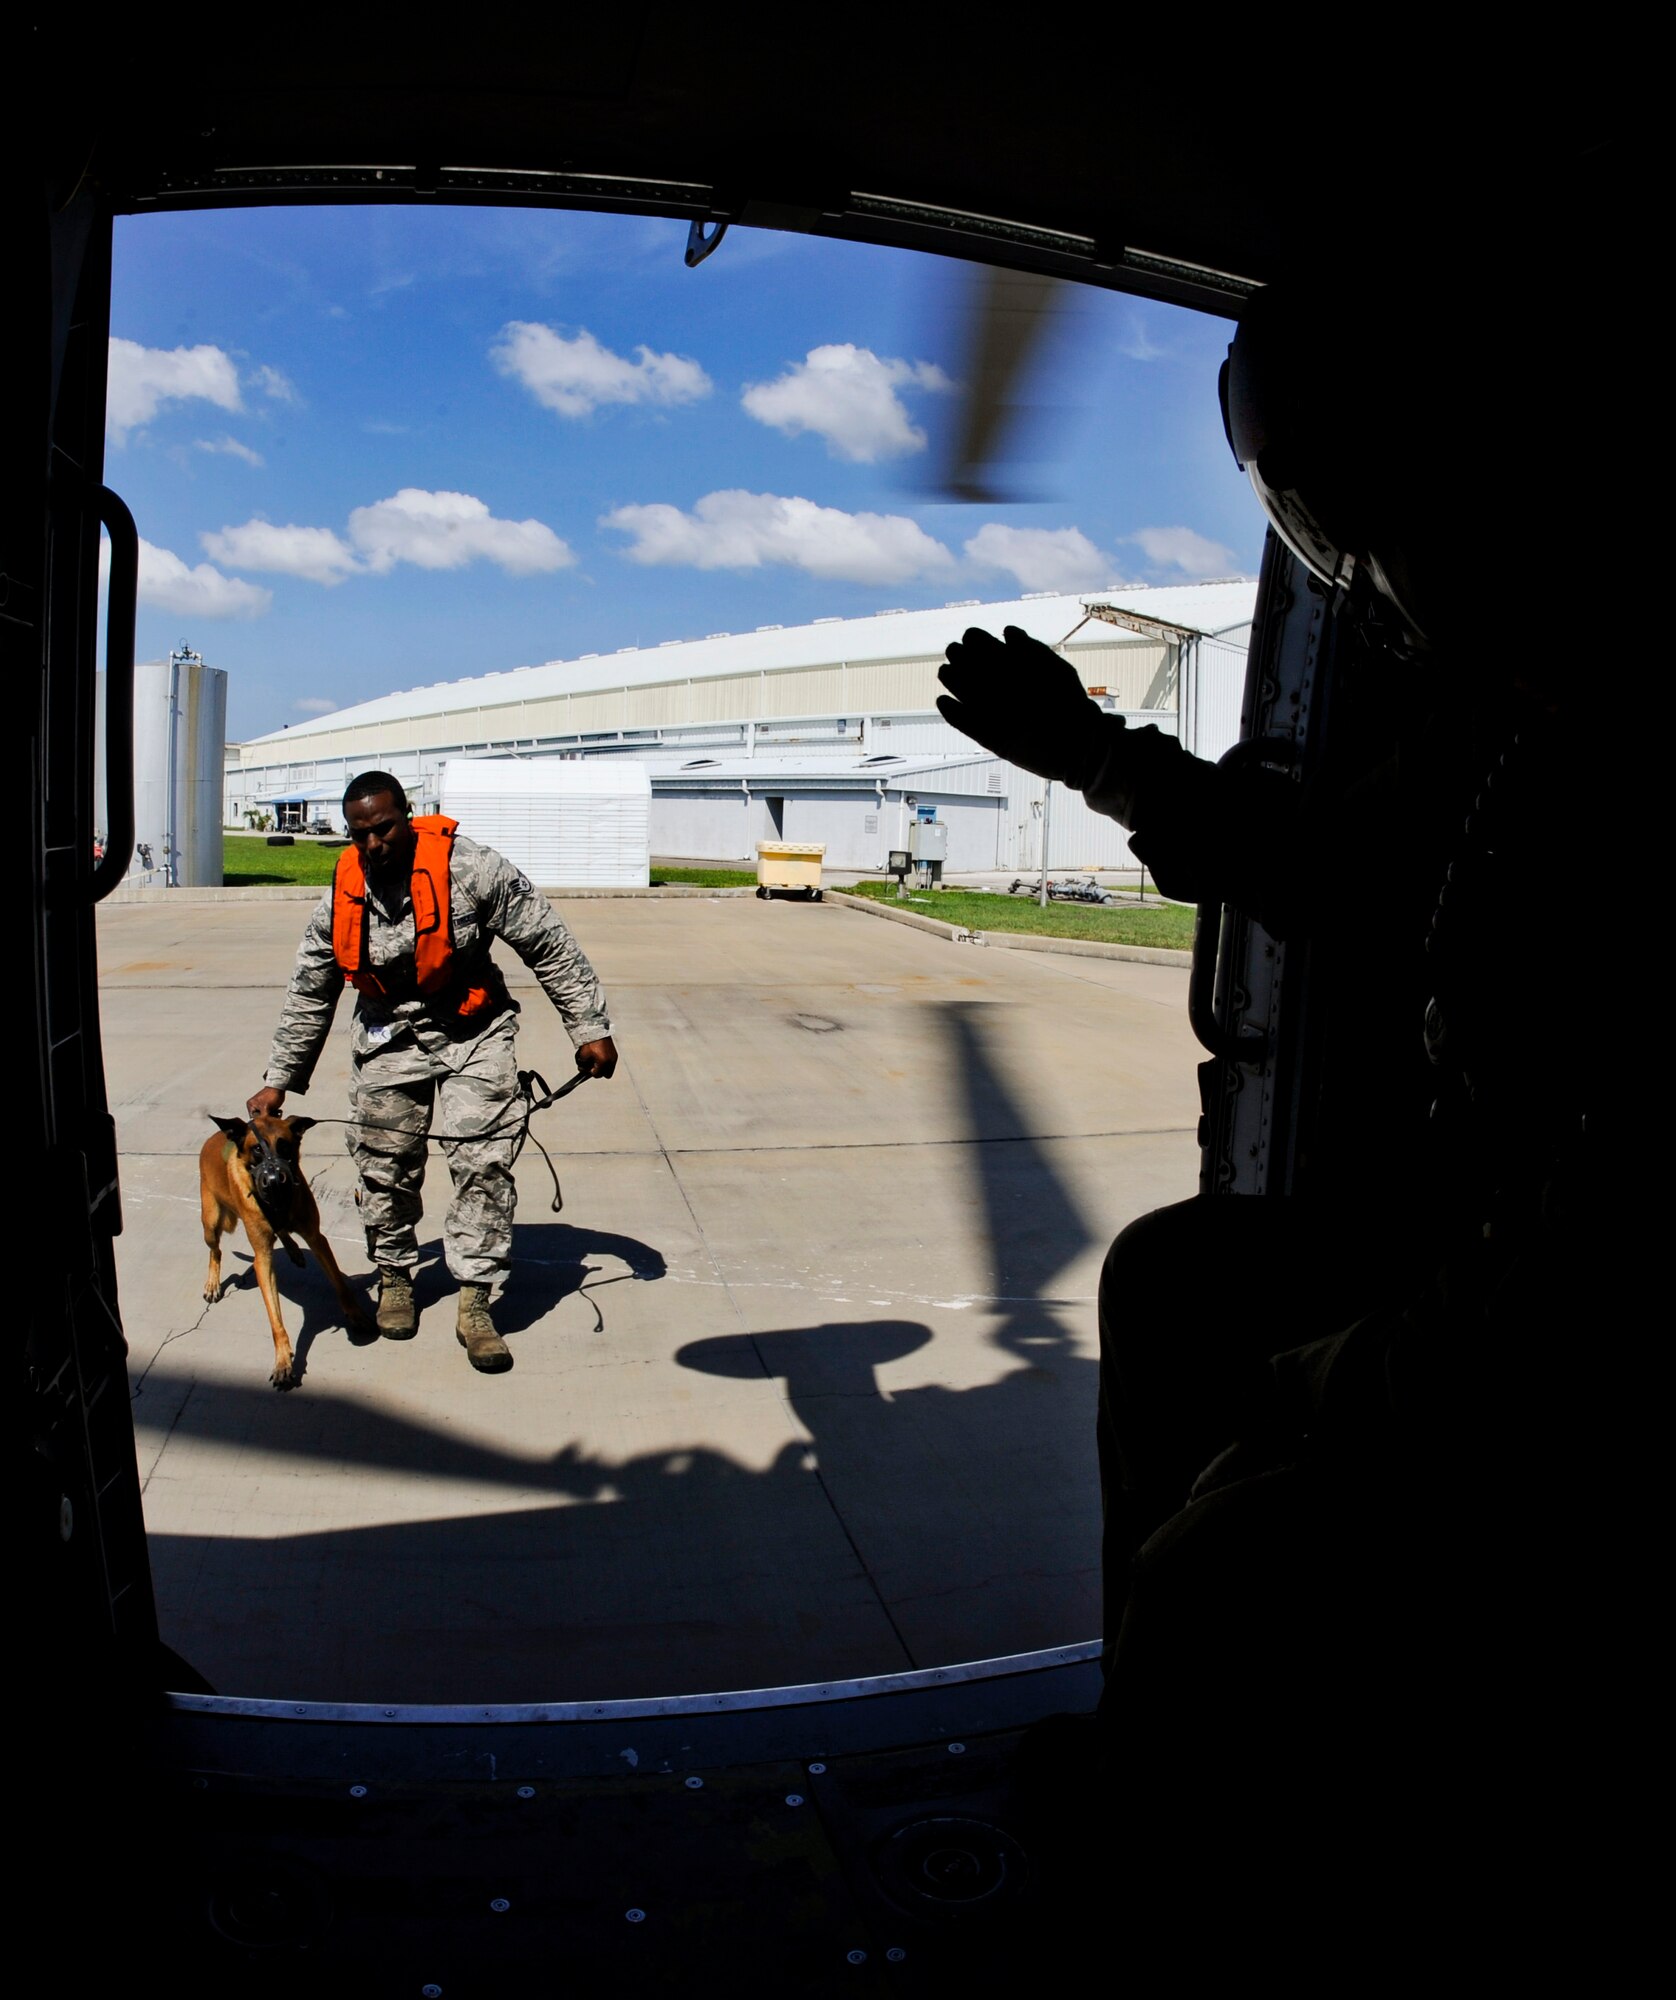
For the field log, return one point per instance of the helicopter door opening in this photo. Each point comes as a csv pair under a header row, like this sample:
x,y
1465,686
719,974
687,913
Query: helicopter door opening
x,y
802,1369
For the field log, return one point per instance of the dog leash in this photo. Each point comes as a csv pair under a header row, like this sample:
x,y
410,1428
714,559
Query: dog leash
x,y
529,1082
528,1079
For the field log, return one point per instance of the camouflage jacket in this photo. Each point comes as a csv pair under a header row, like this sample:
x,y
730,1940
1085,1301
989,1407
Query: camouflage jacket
x,y
488,899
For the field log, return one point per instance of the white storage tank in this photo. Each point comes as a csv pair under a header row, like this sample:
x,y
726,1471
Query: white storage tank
x,y
565,823
180,731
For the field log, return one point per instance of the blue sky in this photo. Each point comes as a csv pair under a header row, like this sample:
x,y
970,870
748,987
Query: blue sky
x,y
373,448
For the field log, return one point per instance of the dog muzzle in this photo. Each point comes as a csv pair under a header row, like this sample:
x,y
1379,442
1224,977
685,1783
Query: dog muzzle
x,y
271,1176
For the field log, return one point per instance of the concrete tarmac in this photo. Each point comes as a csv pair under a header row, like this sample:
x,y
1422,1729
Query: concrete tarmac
x,y
805,1368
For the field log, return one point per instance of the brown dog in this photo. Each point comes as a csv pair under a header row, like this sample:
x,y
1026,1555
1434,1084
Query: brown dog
x,y
250,1172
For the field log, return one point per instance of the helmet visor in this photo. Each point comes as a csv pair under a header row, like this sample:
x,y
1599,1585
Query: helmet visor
x,y
1297,526
1240,386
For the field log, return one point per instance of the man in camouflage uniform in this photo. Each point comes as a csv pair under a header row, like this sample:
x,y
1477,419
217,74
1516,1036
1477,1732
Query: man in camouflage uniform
x,y
415,1055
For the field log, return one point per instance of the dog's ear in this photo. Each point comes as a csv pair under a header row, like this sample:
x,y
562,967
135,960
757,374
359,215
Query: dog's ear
x,y
235,1128
301,1125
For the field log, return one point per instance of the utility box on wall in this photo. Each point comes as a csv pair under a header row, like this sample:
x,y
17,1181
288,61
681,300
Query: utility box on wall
x,y
565,823
928,843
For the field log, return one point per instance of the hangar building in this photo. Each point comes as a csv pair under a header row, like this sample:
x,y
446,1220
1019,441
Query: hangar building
x,y
822,732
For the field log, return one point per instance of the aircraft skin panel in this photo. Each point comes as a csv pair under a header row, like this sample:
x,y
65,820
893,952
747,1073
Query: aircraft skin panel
x,y
1250,1089
580,1739
83,1436
1158,173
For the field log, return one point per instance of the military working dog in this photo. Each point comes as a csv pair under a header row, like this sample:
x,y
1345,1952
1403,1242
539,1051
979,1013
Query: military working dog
x,y
251,1172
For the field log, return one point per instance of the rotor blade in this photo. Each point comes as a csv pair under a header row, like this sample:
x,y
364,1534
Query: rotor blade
x,y
1008,316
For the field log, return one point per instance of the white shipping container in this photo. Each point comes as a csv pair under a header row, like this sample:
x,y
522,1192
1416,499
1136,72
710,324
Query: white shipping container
x,y
565,824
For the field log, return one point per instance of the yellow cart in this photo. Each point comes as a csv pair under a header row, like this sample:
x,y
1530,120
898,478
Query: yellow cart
x,y
791,865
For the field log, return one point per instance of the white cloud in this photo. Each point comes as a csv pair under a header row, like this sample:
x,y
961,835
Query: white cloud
x,y
430,530
274,383
576,375
142,379
229,447
1181,548
1040,558
1136,344
848,396
319,554
314,704
736,530
449,530
199,592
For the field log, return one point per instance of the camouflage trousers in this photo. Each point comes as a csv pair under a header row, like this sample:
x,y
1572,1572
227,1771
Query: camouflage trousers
x,y
479,1095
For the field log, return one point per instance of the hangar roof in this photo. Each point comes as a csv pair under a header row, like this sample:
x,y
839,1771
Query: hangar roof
x,y
886,635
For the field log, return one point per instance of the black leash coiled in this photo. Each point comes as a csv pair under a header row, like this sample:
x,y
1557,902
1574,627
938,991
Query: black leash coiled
x,y
529,1082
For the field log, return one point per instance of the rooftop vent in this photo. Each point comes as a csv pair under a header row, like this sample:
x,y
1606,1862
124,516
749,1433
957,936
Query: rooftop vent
x,y
960,603
895,611
881,760
826,621
590,656
671,642
699,764
1029,594
628,649
718,635
771,628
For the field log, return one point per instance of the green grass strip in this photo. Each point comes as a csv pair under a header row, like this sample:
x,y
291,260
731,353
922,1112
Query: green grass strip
x,y
705,878
1167,926
248,862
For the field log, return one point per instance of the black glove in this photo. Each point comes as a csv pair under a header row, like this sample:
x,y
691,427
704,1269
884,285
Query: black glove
x,y
1025,702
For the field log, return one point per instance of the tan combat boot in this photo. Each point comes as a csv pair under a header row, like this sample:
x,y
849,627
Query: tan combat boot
x,y
397,1317
475,1330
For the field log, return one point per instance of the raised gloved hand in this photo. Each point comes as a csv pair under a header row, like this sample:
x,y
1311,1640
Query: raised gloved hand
x,y
1025,702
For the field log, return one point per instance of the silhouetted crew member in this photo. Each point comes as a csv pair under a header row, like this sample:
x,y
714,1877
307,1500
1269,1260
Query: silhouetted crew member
x,y
1360,1448
408,922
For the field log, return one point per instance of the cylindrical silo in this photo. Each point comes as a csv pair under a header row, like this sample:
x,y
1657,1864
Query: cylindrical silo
x,y
180,729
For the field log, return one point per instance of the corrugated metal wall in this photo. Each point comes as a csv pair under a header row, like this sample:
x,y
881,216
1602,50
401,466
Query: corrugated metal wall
x,y
1140,673
1212,725
839,822
714,826
592,840
856,830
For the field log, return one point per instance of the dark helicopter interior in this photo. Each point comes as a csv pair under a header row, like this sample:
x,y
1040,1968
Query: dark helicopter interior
x,y
1414,219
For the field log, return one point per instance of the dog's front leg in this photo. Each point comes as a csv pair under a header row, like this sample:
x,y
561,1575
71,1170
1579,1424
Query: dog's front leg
x,y
263,1246
212,1236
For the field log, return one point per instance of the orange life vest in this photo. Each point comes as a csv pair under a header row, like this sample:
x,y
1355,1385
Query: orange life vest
x,y
435,972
